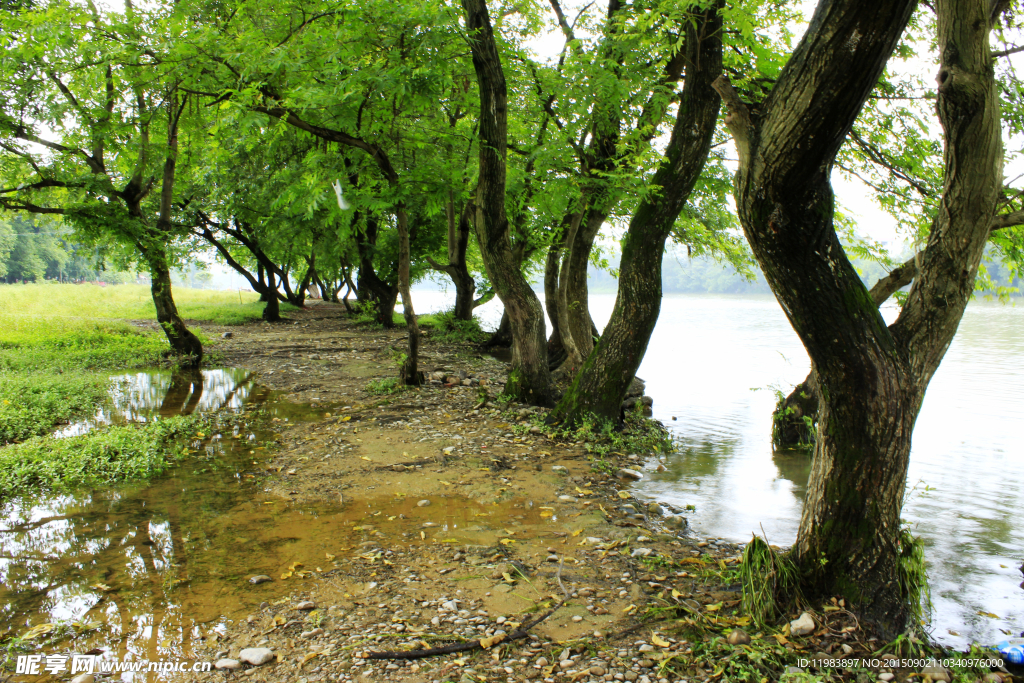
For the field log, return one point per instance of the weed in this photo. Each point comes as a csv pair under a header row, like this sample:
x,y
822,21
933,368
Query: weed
x,y
913,576
33,404
450,330
637,434
768,579
383,386
103,456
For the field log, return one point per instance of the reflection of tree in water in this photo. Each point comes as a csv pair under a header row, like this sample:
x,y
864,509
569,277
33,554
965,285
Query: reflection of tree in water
x,y
694,459
794,466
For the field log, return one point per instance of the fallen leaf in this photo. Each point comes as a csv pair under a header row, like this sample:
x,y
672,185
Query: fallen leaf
x,y
577,533
487,643
279,620
988,614
308,657
36,631
329,557
659,641
507,577
363,457
101,587
547,513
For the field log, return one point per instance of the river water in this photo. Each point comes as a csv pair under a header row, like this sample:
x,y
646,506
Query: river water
x,y
711,366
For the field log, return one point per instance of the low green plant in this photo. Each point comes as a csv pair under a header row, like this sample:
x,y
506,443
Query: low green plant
x,y
33,404
913,576
383,386
448,329
102,456
769,581
636,434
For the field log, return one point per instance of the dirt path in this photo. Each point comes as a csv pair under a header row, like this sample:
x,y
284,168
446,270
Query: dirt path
x,y
464,523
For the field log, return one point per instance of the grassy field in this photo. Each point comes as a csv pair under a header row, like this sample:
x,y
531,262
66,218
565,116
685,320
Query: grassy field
x,y
58,343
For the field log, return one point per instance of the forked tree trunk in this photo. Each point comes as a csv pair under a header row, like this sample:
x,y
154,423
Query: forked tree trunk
x,y
529,379
182,341
872,378
601,385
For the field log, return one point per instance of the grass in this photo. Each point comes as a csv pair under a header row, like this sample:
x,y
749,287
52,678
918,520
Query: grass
x,y
32,404
103,456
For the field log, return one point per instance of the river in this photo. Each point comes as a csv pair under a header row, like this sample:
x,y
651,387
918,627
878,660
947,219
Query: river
x,y
711,367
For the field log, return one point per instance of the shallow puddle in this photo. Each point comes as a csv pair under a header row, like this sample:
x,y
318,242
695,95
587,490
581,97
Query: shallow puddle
x,y
160,565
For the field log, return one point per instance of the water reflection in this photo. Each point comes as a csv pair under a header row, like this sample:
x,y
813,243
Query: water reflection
x,y
149,394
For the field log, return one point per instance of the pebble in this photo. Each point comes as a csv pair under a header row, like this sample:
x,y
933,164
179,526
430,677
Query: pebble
x,y
641,552
577,618
626,473
802,625
597,671
646,648
567,499
257,656
84,678
306,605
794,670
937,673
423,503
312,634
227,335
886,677
542,661
675,522
631,676
259,578
560,469
227,664
738,637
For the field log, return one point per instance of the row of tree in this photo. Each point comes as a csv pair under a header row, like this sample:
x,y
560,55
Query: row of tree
x,y
356,146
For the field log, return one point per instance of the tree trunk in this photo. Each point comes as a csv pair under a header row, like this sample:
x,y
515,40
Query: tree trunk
x,y
272,311
794,422
409,373
872,378
456,268
262,280
604,379
574,292
182,341
501,336
529,379
556,349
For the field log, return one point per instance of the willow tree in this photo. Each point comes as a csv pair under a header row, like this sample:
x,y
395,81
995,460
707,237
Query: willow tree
x,y
872,377
90,129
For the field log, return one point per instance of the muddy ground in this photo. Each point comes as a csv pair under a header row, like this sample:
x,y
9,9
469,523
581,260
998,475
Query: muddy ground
x,y
466,524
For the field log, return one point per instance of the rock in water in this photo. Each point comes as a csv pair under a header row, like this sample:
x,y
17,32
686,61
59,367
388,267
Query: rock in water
x,y
259,578
306,605
629,474
227,664
802,625
257,656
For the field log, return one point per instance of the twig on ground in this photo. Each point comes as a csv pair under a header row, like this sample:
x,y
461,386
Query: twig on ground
x,y
518,634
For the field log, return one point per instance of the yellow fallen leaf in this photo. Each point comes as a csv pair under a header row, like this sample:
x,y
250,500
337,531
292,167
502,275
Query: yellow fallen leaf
x,y
487,643
329,557
623,495
988,614
36,631
676,594
577,533
346,418
714,608
293,565
422,535
629,609
507,541
286,575
363,457
392,518
446,483
659,641
279,620
308,657
101,587
547,513
507,577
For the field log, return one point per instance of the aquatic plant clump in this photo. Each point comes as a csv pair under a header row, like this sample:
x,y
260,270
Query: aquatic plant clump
x,y
103,456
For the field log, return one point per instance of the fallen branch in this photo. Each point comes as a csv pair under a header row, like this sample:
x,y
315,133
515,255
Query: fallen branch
x,y
483,643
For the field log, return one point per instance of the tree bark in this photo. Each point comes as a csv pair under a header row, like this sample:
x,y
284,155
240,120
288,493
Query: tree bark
x,y
794,422
604,379
872,378
182,341
529,379
456,268
272,311
409,373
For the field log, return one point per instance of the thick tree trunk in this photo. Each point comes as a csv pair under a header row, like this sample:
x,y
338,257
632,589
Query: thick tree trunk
x,y
872,378
371,287
604,379
272,311
501,336
456,268
574,292
794,422
261,280
529,378
182,341
556,349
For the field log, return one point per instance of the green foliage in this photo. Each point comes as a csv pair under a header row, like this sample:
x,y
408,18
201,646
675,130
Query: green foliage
x,y
33,404
383,386
449,330
103,456
913,576
769,582
637,434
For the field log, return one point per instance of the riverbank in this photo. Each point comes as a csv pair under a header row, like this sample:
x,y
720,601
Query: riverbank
x,y
456,518
467,521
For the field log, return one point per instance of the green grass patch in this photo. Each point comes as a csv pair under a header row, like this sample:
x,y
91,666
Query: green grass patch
x,y
446,328
383,386
637,434
34,404
103,456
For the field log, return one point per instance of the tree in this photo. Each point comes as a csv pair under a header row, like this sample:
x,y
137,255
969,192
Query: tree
x,y
872,377
603,381
111,172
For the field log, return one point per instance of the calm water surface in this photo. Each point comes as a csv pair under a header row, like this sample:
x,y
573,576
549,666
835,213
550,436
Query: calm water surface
x,y
710,367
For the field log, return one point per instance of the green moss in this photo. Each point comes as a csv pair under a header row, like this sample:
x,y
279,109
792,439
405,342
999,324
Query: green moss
x,y
33,404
